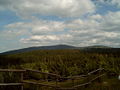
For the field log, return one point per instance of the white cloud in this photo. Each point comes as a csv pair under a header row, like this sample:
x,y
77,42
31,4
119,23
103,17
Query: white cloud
x,y
12,33
111,22
96,17
95,29
47,27
109,2
9,39
46,39
116,2
61,8
80,24
92,30
38,27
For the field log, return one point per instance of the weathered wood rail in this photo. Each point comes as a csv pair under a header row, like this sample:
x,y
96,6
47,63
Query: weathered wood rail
x,y
89,82
12,70
14,84
22,81
84,75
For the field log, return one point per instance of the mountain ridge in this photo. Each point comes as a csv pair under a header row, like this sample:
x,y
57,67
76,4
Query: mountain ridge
x,y
54,47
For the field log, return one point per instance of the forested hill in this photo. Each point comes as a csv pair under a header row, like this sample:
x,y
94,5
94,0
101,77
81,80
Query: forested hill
x,y
92,49
66,63
54,47
102,50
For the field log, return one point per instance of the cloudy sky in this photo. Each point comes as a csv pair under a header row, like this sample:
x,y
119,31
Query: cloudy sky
x,y
26,23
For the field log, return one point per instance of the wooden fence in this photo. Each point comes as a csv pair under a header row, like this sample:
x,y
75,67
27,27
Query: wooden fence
x,y
14,84
22,81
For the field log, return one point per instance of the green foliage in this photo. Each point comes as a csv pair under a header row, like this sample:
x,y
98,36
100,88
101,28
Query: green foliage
x,y
62,62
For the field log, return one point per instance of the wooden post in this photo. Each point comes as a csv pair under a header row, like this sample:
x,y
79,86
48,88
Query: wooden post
x,y
37,87
21,80
56,81
73,82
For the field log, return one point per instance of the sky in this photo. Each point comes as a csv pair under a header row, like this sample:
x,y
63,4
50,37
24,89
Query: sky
x,y
27,23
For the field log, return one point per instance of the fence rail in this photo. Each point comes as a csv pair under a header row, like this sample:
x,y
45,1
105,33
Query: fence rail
x,y
35,83
12,70
84,75
51,74
11,84
89,82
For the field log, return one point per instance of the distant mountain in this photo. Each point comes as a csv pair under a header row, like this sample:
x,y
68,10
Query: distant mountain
x,y
94,49
98,46
54,47
101,49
